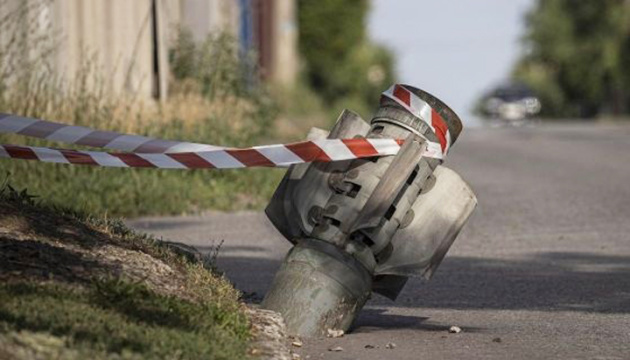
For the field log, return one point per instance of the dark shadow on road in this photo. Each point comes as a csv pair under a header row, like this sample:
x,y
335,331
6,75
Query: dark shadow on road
x,y
557,281
374,319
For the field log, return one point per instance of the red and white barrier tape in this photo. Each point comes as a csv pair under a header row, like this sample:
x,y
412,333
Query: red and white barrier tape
x,y
142,151
79,135
280,155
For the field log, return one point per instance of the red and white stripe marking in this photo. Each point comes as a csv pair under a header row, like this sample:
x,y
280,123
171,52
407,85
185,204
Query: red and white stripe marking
x,y
423,111
280,155
79,135
142,151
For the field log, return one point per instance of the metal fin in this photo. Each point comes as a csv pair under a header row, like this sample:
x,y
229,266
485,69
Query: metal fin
x,y
439,215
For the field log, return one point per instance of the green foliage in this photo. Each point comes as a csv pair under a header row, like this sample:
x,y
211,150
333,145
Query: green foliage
x,y
342,64
329,30
120,192
215,65
578,56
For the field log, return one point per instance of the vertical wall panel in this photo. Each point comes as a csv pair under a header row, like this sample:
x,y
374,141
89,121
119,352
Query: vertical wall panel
x,y
114,37
117,37
284,58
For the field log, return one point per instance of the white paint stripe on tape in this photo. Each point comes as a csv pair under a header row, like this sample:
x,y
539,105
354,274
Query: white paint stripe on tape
x,y
192,147
424,110
385,146
69,134
162,161
13,124
335,149
49,155
221,160
279,155
105,159
127,142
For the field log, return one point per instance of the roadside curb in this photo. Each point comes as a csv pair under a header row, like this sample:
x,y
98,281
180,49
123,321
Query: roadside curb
x,y
269,336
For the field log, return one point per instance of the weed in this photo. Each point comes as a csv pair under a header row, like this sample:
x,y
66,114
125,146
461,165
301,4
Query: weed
x,y
210,259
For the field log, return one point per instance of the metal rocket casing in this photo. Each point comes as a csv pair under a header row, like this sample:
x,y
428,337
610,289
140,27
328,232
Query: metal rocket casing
x,y
383,219
420,243
337,202
426,232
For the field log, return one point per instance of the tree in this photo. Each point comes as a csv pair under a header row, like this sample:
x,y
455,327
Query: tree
x,y
340,61
577,56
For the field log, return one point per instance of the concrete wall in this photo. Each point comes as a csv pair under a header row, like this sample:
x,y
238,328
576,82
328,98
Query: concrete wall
x,y
115,35
128,40
284,46
203,17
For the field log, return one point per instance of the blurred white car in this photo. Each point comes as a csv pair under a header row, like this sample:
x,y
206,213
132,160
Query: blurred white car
x,y
512,102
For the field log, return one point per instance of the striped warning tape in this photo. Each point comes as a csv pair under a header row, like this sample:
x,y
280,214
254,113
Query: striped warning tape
x,y
422,110
142,151
79,135
280,155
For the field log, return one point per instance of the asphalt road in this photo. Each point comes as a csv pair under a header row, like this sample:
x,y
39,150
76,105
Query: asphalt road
x,y
542,270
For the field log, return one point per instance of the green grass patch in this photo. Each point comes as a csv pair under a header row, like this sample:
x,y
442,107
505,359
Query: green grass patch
x,y
117,317
137,192
74,286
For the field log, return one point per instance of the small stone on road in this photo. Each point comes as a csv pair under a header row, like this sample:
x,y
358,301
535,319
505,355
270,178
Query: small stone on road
x,y
455,330
335,333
